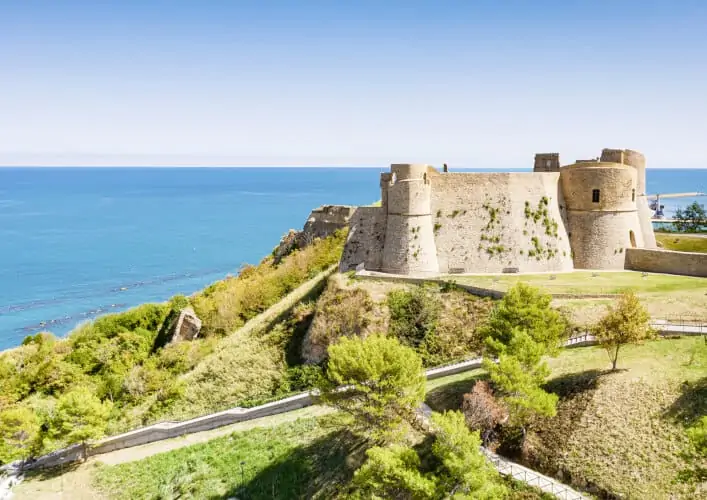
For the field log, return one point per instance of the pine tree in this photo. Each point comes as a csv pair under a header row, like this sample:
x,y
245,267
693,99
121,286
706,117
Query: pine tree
x,y
378,381
467,472
80,416
19,433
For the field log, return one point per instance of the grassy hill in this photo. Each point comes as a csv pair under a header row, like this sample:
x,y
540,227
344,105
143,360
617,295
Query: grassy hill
x,y
622,432
615,433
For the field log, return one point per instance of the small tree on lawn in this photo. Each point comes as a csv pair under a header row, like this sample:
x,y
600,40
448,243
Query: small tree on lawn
x,y
627,322
19,434
378,381
80,416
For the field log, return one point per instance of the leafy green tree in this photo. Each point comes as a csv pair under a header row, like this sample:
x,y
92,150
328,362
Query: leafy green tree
x,y
462,471
378,381
19,433
520,386
692,219
467,473
522,328
627,322
525,308
393,473
80,416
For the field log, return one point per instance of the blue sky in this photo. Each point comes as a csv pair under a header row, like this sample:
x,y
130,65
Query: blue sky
x,y
470,83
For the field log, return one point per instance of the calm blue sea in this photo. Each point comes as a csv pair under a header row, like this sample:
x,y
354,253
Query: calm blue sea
x,y
78,242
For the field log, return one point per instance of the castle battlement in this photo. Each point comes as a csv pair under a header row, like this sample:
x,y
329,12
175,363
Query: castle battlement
x,y
557,218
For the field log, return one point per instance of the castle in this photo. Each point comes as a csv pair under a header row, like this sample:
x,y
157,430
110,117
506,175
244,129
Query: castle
x,y
580,216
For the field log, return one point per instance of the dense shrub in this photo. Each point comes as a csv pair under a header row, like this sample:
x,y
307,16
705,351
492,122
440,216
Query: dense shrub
x,y
228,304
340,312
440,324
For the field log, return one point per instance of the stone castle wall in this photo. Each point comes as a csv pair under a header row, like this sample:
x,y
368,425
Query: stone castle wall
x,y
409,240
600,231
637,161
364,243
485,223
666,261
584,215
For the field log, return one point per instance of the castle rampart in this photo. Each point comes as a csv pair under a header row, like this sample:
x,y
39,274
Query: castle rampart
x,y
547,162
409,240
584,215
602,214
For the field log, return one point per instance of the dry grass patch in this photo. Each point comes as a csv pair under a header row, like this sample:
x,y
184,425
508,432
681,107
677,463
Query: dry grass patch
x,y
617,432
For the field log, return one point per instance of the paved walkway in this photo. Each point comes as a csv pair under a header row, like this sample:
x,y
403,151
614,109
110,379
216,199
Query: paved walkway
x,y
532,478
75,483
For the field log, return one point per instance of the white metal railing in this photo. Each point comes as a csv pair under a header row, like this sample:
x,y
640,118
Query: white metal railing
x,y
532,478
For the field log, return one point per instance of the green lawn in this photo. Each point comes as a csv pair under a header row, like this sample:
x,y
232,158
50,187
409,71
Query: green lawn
x,y
621,432
591,282
302,459
682,242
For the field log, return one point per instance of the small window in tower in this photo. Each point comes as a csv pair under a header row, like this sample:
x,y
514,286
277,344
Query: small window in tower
x,y
595,196
633,195
548,163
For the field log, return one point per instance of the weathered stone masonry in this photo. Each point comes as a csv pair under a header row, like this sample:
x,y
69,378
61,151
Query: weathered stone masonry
x,y
583,215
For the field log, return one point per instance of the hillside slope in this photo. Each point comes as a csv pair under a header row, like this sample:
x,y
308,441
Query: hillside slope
x,y
624,432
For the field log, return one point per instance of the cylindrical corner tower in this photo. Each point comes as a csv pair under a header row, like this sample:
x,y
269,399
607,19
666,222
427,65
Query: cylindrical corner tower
x,y
637,161
601,212
409,238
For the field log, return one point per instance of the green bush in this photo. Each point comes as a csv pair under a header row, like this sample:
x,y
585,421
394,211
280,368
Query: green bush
x,y
228,304
440,324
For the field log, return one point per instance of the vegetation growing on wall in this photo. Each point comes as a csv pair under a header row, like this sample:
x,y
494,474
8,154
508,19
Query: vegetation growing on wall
x,y
492,232
539,222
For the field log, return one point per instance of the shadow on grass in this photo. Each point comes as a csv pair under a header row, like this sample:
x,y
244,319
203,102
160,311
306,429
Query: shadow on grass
x,y
572,384
450,396
47,474
691,405
318,470
549,437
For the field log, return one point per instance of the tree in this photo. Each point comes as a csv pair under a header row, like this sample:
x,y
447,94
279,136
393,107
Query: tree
x,y
692,219
19,433
461,471
521,388
393,473
378,381
467,473
626,323
80,416
526,308
481,409
519,375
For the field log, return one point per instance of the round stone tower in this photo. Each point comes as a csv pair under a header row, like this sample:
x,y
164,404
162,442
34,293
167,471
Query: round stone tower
x,y
409,246
601,212
637,161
